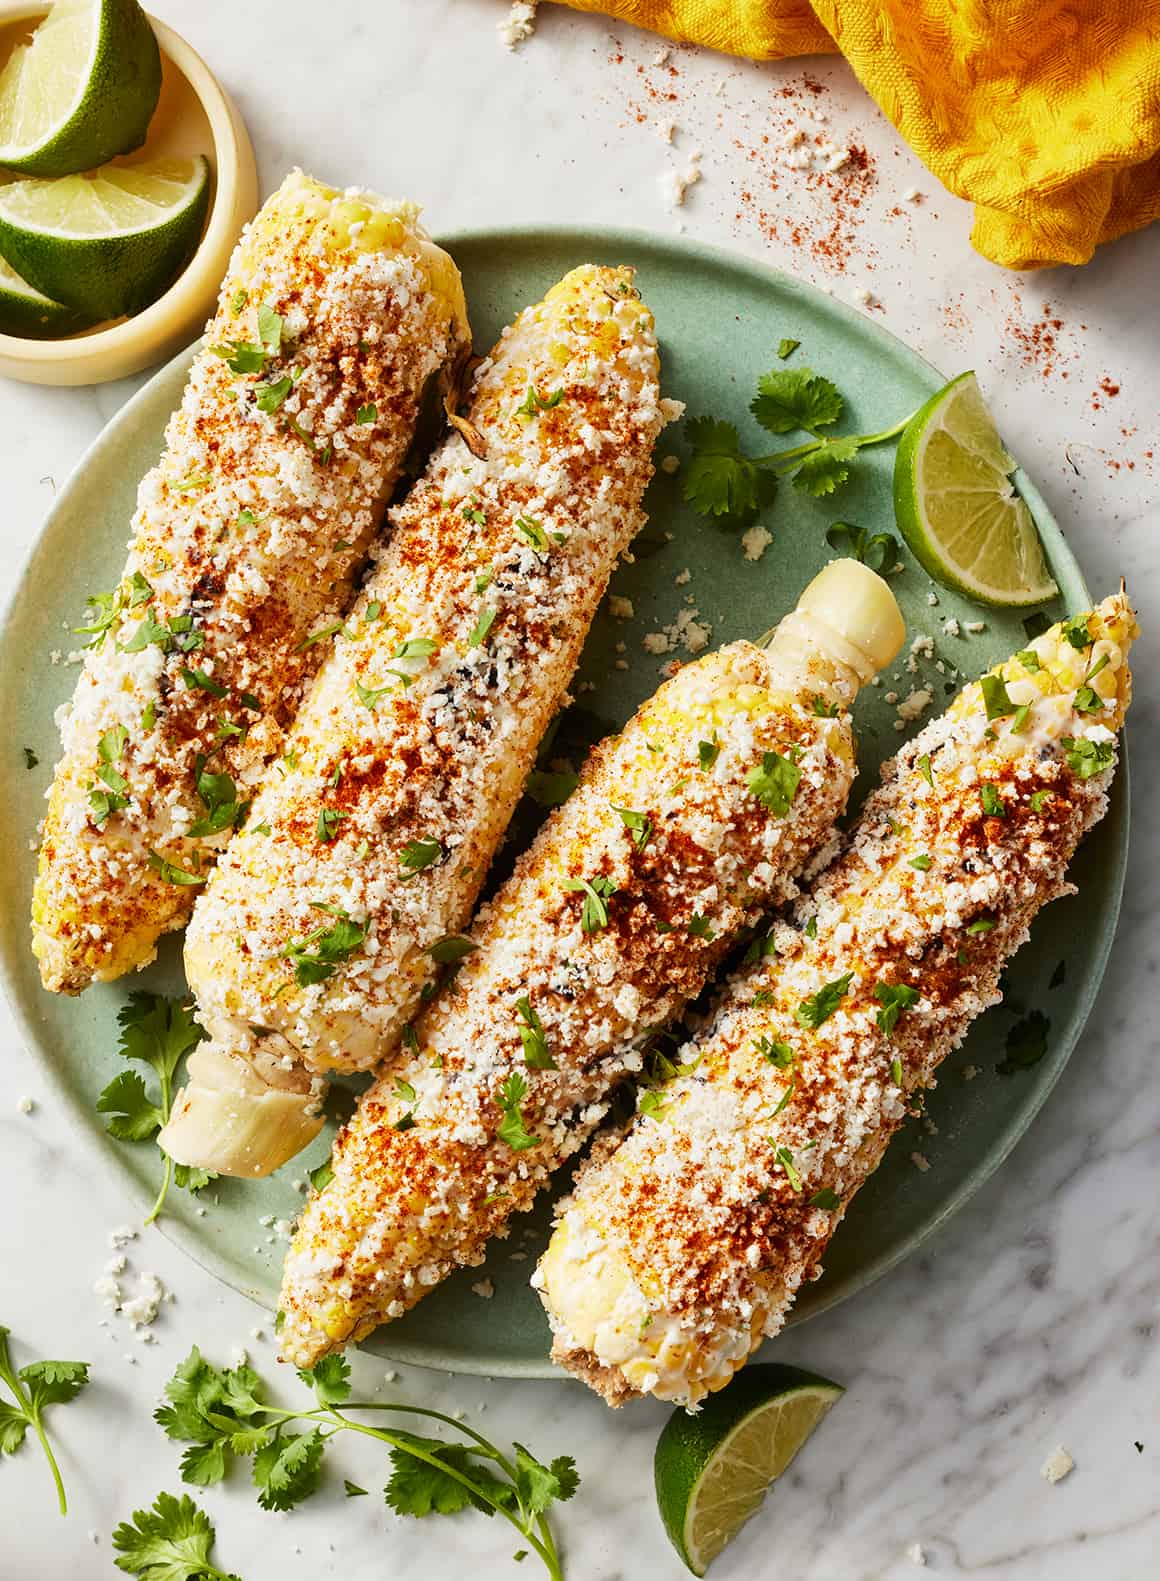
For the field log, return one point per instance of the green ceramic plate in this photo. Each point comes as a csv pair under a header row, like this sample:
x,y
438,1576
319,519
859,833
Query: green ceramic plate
x,y
720,320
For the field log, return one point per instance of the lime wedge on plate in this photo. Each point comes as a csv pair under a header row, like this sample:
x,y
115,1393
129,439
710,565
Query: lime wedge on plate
x,y
25,312
82,90
957,507
107,243
714,1469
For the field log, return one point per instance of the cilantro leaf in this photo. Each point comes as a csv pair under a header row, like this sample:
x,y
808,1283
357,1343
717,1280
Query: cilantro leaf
x,y
827,1198
597,892
825,469
894,999
135,1118
511,1128
774,782
419,1488
539,1486
1086,757
537,1054
330,1379
170,1542
787,347
995,698
718,479
318,955
287,1469
795,398
819,1007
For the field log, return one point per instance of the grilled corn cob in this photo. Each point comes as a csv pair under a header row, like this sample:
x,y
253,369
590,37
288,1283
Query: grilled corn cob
x,y
368,843
682,831
297,415
683,1247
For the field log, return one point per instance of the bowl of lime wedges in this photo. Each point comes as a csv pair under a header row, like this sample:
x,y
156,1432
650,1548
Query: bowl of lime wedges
x,y
128,175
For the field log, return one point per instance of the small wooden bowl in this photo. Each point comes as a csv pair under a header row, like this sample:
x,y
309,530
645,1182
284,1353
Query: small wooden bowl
x,y
194,116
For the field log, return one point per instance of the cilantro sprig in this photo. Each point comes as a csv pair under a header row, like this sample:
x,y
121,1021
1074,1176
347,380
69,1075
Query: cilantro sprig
x,y
36,1385
221,1416
157,1032
318,955
170,1542
721,480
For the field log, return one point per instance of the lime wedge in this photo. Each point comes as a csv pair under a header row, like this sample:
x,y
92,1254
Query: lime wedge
x,y
714,1469
107,243
957,507
25,312
82,90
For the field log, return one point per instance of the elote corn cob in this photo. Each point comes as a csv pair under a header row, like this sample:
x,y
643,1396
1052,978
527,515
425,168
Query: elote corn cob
x,y
367,845
291,433
682,831
684,1246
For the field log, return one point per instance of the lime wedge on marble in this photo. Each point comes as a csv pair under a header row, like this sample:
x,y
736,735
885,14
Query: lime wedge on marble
x,y
110,242
957,507
714,1469
81,90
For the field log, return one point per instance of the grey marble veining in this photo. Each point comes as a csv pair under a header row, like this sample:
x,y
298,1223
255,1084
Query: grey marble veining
x,y
1033,1319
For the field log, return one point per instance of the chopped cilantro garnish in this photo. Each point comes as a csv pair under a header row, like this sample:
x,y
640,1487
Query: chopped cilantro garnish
x,y
170,873
367,413
708,752
199,680
639,823
895,1068
223,809
594,913
922,863
785,1159
530,530
1078,632
701,928
786,348
318,955
774,782
785,1097
925,770
826,1198
511,1128
419,854
30,758
981,925
269,396
1086,757
819,1007
536,1051
451,949
894,999
1039,800
533,402
319,636
1029,659
482,626
995,699
329,819
824,709
993,806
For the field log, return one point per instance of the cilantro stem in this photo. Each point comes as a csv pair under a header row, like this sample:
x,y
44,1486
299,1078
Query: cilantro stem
x,y
165,1106
775,457
32,1415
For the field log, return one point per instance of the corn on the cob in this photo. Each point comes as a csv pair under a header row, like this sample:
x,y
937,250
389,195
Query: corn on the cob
x,y
685,1245
294,424
368,844
683,830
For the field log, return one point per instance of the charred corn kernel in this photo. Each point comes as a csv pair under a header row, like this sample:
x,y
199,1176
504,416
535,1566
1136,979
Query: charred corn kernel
x,y
683,1247
682,831
367,844
245,540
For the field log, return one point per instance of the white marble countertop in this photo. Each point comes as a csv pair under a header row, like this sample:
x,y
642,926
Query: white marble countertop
x,y
1032,1319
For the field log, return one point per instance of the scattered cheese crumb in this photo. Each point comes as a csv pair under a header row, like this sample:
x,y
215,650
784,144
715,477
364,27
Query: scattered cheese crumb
x,y
914,703
655,642
912,195
25,1105
683,578
676,183
122,1236
951,627
975,626
662,57
755,542
920,1162
484,1289
140,1310
670,464
519,24
391,1377
932,598
620,608
1058,1465
665,130
865,297
916,1553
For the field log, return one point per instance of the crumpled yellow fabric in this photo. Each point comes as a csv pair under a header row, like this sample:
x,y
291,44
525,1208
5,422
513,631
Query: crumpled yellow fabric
x,y
1045,114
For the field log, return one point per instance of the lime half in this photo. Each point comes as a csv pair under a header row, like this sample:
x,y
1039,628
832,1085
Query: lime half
x,y
82,90
25,312
107,243
957,507
713,1469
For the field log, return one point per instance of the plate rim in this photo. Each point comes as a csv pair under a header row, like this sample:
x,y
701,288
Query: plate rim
x,y
582,238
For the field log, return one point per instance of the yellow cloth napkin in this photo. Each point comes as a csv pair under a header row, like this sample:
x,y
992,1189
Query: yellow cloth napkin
x,y
1045,114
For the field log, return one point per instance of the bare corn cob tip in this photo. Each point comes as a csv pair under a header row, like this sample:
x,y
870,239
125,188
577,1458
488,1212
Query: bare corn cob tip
x,y
683,831
368,844
683,1247
295,420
